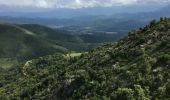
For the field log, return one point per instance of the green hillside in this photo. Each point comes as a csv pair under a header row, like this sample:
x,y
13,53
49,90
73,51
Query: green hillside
x,y
134,68
21,42
51,34
62,37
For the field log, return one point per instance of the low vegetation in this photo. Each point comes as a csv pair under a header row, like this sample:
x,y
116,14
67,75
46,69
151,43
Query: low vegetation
x,y
72,55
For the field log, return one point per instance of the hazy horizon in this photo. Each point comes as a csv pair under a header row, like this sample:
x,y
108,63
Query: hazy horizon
x,y
23,8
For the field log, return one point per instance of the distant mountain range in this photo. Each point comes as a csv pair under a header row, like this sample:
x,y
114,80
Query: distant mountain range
x,y
71,13
120,23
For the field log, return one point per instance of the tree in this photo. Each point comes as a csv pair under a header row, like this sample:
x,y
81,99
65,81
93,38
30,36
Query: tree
x,y
123,94
152,23
141,94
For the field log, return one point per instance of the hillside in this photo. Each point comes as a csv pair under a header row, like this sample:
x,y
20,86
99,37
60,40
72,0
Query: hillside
x,y
59,37
23,42
51,34
134,68
19,42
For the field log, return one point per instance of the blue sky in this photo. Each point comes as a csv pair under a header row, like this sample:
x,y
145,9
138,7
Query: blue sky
x,y
76,3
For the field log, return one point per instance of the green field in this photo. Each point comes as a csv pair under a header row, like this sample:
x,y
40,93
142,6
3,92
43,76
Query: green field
x,y
73,54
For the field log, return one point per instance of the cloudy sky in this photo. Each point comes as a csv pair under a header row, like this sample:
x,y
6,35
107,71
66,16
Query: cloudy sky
x,y
76,3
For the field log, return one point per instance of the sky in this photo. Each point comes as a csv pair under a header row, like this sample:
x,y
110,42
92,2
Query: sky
x,y
76,3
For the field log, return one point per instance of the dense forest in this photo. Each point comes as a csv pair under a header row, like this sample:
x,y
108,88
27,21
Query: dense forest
x,y
135,67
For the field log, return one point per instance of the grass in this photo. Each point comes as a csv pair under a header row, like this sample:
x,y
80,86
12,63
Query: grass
x,y
7,62
73,55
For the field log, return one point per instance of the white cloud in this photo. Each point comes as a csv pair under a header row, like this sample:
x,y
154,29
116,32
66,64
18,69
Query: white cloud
x,y
75,3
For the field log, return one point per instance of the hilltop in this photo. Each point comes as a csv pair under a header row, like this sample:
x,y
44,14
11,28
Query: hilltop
x,y
134,68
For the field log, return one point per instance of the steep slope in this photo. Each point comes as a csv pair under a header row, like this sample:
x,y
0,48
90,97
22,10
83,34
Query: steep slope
x,y
133,68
